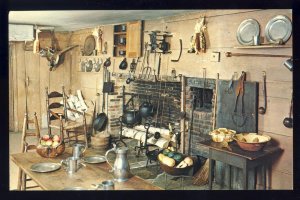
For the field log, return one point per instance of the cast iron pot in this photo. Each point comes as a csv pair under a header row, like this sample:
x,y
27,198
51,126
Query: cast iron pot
x,y
131,117
146,109
100,122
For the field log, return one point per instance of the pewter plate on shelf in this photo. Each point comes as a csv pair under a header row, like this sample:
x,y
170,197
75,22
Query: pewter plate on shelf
x,y
278,28
247,30
94,159
45,167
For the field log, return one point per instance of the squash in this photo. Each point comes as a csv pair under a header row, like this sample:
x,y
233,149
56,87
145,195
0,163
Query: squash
x,y
161,156
178,157
188,161
166,151
171,154
182,164
168,161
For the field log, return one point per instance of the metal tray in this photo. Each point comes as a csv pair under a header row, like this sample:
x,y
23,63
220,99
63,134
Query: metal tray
x,y
278,28
45,167
247,30
94,159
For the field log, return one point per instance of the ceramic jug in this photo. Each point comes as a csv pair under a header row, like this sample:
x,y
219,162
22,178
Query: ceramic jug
x,y
121,168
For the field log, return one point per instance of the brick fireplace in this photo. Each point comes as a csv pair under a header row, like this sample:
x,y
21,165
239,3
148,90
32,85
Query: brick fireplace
x,y
202,91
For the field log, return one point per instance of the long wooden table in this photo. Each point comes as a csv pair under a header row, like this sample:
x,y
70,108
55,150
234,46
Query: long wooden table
x,y
84,177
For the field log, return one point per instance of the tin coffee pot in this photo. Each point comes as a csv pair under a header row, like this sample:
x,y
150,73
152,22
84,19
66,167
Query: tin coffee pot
x,y
121,168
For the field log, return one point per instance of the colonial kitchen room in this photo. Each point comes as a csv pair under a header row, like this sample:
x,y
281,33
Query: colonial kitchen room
x,y
151,100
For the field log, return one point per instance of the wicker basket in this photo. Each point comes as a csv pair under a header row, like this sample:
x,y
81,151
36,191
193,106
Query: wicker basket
x,y
100,141
50,152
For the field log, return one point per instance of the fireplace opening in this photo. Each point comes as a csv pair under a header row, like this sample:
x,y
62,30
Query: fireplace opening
x,y
202,99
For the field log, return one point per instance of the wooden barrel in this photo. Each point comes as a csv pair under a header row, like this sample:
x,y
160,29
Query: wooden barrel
x,y
100,141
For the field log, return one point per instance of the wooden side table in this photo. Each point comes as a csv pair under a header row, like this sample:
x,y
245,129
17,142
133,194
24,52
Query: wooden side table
x,y
242,159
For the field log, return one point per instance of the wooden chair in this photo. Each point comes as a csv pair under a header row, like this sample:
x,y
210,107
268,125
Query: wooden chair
x,y
25,147
57,118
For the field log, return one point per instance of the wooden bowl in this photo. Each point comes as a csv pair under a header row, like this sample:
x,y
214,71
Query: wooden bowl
x,y
49,151
175,171
251,141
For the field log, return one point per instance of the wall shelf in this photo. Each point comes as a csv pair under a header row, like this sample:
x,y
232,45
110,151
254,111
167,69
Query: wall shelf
x,y
263,46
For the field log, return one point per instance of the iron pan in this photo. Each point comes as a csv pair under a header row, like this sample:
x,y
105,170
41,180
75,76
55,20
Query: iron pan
x,y
94,159
45,167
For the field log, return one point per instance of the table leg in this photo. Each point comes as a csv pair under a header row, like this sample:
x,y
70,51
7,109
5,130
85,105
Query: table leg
x,y
245,178
211,173
20,179
264,180
165,181
229,177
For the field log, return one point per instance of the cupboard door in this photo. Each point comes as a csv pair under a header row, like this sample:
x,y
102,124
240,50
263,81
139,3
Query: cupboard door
x,y
133,39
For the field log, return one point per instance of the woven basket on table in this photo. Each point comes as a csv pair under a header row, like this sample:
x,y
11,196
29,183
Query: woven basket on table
x,y
49,151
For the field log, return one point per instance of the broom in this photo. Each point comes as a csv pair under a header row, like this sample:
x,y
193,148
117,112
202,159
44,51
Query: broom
x,y
201,176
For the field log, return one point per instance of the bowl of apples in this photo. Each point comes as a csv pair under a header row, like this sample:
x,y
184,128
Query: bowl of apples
x,y
50,146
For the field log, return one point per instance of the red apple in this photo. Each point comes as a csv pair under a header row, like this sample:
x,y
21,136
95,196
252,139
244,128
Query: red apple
x,y
56,138
46,137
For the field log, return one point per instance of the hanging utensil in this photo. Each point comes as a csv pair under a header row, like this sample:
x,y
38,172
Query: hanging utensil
x,y
89,45
98,64
262,110
239,91
288,121
180,41
107,62
123,65
101,118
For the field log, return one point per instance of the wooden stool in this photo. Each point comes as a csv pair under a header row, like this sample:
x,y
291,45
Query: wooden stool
x,y
25,147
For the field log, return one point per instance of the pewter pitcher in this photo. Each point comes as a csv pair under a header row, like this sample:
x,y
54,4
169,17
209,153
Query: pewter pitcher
x,y
121,166
78,150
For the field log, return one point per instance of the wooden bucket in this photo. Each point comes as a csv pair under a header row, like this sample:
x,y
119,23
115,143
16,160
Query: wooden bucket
x,y
100,141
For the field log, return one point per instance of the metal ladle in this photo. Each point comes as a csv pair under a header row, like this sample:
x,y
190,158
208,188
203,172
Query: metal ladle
x,y
288,121
262,110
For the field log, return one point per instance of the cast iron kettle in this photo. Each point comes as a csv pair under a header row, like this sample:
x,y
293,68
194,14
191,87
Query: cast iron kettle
x,y
146,109
123,65
132,116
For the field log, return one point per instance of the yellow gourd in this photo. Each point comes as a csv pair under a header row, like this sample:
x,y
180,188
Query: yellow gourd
x,y
182,164
161,156
188,161
168,161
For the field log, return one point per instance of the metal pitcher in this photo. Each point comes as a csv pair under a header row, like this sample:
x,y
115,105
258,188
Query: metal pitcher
x,y
121,166
78,150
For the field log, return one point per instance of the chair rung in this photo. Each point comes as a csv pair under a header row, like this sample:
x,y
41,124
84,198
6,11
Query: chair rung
x,y
31,133
29,187
30,121
53,126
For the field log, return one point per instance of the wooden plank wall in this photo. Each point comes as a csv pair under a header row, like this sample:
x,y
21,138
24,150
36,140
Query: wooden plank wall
x,y
25,64
221,37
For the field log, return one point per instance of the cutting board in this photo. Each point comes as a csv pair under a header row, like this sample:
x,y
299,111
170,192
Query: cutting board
x,y
225,116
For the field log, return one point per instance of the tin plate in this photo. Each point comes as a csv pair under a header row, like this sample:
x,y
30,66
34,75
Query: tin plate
x,y
278,28
247,30
45,167
94,159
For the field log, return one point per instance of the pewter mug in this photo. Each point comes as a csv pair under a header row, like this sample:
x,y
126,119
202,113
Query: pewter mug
x,y
78,150
71,164
121,168
105,185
